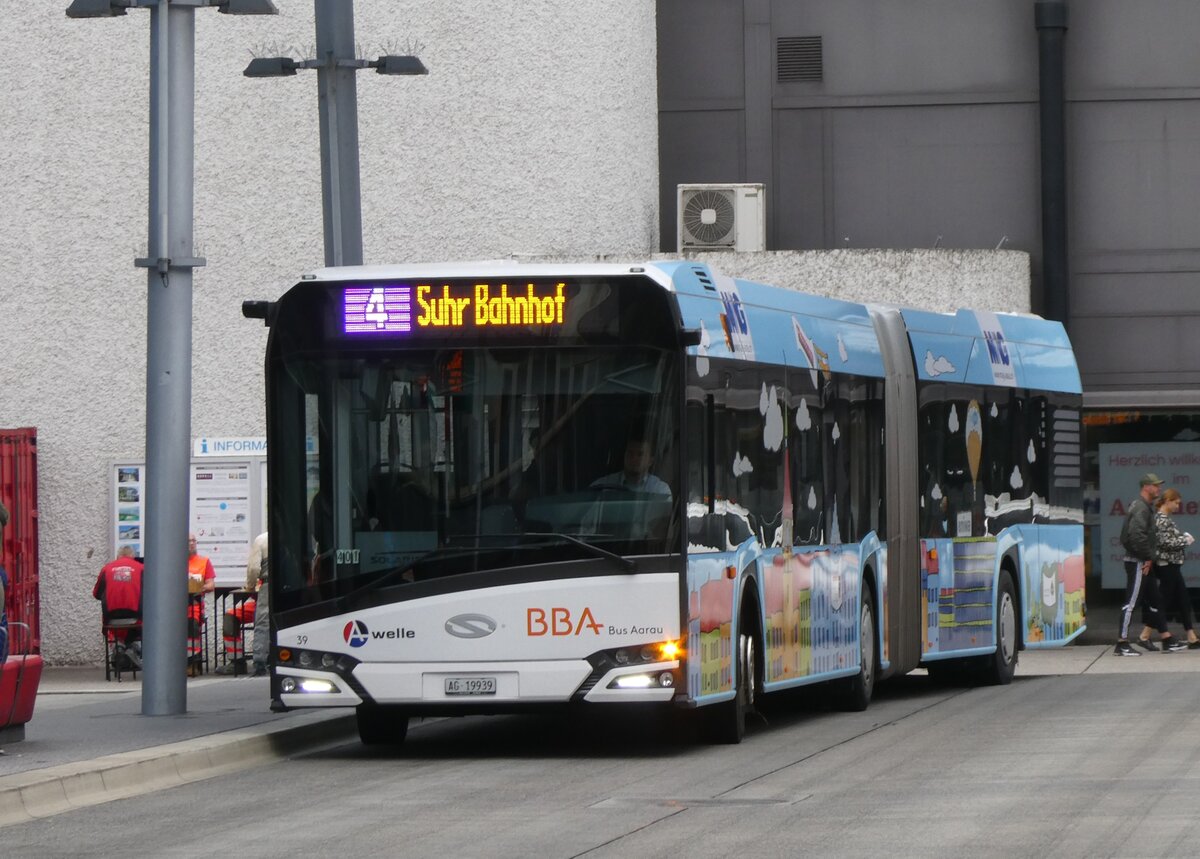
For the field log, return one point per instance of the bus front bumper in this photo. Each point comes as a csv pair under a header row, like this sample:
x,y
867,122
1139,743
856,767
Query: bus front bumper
x,y
477,685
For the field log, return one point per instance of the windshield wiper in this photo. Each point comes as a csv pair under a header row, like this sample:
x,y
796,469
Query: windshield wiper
x,y
628,564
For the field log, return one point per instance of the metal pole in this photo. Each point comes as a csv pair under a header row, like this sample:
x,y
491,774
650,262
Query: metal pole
x,y
168,357
337,103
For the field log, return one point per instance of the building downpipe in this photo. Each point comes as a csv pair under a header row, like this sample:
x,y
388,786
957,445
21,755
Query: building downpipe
x,y
1050,18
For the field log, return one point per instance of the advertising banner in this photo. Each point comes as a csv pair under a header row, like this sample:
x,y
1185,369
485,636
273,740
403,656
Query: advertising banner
x,y
1121,466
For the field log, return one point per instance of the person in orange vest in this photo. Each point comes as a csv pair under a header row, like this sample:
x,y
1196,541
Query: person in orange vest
x,y
202,579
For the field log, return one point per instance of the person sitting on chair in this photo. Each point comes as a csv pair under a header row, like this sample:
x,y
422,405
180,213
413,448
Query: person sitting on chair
x,y
119,589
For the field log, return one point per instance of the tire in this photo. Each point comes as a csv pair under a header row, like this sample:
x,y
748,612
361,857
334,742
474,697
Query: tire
x,y
857,692
725,723
1001,665
381,725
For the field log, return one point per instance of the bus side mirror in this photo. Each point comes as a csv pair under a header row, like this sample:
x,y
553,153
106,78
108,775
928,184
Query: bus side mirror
x,y
257,310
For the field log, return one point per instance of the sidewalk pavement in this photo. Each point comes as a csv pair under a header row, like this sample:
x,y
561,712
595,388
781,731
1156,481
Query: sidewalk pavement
x,y
88,742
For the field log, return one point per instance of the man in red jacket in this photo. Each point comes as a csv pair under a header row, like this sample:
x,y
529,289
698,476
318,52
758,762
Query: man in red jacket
x,y
119,589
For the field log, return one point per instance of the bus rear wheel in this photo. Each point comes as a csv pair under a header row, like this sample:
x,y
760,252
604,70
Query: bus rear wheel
x,y
381,725
1001,665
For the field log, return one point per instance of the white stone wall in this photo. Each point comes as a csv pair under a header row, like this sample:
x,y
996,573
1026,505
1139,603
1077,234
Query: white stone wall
x,y
941,280
535,133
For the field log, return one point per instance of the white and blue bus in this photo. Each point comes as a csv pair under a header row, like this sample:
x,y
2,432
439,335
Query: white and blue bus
x,y
500,486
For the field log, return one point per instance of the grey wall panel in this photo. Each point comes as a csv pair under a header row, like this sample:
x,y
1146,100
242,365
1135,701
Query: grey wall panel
x,y
1135,175
918,46
798,217
1139,293
697,146
1124,352
1118,44
700,46
902,177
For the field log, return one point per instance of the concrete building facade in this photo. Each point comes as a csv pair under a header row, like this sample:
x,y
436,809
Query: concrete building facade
x,y
536,133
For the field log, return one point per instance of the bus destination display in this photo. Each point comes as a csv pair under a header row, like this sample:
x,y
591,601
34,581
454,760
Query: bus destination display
x,y
409,309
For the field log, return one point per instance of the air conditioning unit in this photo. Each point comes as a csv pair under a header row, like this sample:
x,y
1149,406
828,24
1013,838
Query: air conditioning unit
x,y
722,217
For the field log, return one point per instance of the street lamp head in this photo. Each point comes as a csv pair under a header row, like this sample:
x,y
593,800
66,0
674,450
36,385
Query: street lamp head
x,y
97,8
393,65
247,7
270,67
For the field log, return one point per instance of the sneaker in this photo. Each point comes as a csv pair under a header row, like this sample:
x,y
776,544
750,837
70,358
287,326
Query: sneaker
x,y
1173,645
1194,645
1147,644
1124,648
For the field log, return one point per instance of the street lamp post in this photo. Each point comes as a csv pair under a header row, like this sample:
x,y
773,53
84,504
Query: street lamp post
x,y
168,265
337,107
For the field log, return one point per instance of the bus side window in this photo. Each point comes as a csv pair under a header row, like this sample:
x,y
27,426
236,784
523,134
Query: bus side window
x,y
805,449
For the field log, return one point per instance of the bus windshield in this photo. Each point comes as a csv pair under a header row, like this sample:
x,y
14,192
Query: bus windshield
x,y
464,460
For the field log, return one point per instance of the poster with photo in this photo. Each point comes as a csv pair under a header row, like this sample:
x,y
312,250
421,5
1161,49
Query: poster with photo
x,y
1121,467
127,504
226,510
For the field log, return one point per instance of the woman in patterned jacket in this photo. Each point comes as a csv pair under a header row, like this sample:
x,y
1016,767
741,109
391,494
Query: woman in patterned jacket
x,y
1168,559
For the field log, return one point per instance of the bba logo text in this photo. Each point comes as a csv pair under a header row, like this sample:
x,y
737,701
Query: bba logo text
x,y
559,622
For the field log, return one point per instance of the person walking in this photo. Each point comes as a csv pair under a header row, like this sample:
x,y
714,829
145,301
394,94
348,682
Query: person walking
x,y
1139,539
1168,563
257,570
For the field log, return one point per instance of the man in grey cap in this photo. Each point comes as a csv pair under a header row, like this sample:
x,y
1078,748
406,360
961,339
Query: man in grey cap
x,y
1139,538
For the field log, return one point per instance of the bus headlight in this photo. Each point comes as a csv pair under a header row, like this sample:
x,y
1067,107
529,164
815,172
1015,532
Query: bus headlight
x,y
317,685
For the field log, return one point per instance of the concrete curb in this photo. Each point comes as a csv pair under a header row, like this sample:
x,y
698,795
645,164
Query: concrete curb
x,y
35,794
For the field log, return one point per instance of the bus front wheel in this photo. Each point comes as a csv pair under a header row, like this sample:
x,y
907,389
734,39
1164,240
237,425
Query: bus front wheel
x,y
726,722
857,692
380,725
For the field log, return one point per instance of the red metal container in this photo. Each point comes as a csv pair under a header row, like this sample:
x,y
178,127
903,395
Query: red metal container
x,y
20,674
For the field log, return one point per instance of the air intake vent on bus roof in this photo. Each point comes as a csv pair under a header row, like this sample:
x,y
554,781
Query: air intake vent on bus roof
x,y
705,280
798,58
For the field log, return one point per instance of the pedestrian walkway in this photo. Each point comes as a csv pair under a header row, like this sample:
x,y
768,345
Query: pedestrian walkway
x,y
88,742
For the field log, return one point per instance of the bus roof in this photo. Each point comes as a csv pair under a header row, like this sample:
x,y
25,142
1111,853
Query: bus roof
x,y
755,321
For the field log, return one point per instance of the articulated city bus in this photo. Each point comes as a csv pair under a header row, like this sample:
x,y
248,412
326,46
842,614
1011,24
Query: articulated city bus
x,y
496,487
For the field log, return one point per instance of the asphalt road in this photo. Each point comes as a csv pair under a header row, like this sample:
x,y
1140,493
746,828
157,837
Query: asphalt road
x,y
1089,764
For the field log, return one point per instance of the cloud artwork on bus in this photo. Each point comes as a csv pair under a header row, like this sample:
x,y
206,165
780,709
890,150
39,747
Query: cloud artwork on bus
x,y
938,366
702,351
769,408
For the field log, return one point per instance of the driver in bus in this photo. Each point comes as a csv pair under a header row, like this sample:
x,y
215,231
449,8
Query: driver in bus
x,y
635,474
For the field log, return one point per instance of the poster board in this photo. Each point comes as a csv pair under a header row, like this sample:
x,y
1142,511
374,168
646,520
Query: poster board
x,y
226,510
1121,466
